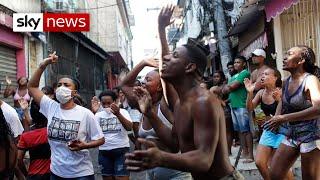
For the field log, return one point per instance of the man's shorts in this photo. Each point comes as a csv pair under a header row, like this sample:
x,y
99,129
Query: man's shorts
x,y
304,147
240,119
112,162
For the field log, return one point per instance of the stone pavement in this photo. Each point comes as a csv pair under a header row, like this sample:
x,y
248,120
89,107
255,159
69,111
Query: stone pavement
x,y
249,170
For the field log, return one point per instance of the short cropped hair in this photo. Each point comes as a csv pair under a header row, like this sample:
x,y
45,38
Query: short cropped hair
x,y
108,93
197,56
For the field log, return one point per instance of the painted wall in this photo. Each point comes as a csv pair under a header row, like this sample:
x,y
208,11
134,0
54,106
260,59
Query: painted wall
x,y
108,27
15,41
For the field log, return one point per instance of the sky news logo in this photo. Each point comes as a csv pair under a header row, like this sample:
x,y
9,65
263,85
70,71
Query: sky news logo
x,y
51,22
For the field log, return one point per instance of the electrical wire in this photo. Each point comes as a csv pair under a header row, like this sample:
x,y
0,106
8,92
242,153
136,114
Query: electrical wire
x,y
110,5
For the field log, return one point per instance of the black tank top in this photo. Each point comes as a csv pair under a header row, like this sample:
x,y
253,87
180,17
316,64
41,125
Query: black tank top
x,y
269,109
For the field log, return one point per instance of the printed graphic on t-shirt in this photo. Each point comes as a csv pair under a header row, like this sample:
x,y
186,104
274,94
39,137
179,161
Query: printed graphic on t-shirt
x,y
63,130
110,125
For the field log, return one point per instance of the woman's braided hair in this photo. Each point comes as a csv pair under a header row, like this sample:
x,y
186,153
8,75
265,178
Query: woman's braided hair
x,y
310,59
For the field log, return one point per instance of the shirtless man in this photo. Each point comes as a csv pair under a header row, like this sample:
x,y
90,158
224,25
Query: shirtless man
x,y
258,58
199,128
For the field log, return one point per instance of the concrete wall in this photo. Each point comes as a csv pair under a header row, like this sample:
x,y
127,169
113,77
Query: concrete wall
x,y
35,57
32,50
108,27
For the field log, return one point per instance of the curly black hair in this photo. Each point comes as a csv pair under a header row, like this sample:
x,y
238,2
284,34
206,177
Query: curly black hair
x,y
37,118
222,76
5,131
108,93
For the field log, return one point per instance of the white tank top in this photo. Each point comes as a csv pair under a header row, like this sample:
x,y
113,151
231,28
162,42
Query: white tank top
x,y
151,134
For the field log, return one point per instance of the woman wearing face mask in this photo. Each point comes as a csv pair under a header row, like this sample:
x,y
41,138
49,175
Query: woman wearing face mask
x,y
20,93
72,129
115,123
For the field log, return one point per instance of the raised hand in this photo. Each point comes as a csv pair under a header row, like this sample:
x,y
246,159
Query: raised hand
x,y
152,62
8,80
23,104
277,94
164,18
144,99
52,59
249,85
148,158
95,104
114,109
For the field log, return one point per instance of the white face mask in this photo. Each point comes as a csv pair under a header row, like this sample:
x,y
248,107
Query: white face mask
x,y
63,94
108,110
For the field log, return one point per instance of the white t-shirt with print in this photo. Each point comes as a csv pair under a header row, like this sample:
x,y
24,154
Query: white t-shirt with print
x,y
63,127
134,113
12,118
114,133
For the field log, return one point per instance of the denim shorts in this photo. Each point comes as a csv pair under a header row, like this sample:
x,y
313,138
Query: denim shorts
x,y
271,139
240,119
20,113
55,177
112,162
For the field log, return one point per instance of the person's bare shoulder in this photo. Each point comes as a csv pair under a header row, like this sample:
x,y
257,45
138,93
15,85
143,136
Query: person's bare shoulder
x,y
254,73
207,109
208,98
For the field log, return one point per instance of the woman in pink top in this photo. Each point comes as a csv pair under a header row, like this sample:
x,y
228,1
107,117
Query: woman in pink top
x,y
19,94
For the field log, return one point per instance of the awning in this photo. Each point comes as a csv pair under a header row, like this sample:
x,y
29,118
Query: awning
x,y
252,33
117,59
275,7
248,17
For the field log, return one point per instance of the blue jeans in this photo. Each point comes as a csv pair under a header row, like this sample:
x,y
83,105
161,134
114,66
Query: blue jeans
x,y
55,177
112,162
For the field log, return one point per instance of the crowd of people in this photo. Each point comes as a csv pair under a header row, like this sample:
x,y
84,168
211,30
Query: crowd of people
x,y
181,126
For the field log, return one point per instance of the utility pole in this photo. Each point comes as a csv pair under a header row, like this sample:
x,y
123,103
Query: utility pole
x,y
223,42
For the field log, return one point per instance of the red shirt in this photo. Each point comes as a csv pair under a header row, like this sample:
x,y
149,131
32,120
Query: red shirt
x,y
36,142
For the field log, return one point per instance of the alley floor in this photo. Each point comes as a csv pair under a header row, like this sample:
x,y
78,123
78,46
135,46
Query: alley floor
x,y
249,170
